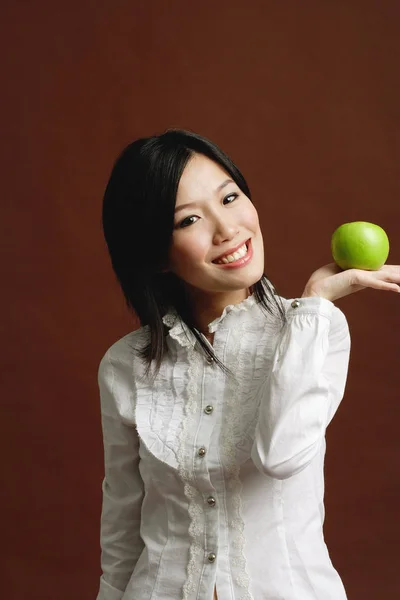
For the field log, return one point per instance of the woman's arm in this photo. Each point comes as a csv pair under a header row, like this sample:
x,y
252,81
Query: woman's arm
x,y
122,486
304,388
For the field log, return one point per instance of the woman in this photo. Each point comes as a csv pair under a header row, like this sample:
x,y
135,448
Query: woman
x,y
214,412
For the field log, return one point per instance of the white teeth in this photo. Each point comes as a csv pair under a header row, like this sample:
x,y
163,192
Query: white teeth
x,y
232,257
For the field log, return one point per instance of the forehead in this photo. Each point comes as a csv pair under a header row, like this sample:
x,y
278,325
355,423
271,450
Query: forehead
x,y
201,175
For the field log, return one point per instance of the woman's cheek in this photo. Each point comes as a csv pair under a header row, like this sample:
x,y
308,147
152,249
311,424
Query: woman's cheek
x,y
187,254
253,218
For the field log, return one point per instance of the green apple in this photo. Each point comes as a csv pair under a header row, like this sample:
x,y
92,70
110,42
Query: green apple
x,y
360,245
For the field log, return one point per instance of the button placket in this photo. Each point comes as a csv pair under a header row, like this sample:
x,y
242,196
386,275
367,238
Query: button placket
x,y
209,509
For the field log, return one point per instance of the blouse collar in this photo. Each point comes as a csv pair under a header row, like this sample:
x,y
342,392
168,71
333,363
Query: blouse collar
x,y
180,332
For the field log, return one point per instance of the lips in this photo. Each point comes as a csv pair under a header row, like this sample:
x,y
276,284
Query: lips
x,y
232,250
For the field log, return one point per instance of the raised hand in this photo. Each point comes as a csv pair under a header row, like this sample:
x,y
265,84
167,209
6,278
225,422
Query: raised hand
x,y
331,282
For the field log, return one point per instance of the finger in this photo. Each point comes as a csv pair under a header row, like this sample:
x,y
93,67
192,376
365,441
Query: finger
x,y
384,285
390,269
377,282
390,275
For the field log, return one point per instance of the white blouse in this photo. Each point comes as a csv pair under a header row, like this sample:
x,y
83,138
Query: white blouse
x,y
218,481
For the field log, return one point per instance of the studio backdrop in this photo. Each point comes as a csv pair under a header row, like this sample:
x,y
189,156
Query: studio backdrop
x,y
304,96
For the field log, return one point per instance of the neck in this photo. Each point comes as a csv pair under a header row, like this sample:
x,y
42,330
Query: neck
x,y
207,308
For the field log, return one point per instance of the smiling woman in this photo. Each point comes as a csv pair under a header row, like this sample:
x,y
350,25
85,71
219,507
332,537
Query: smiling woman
x,y
213,480
225,221
155,186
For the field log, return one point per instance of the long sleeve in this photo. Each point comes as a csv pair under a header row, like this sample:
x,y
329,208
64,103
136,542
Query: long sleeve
x,y
304,388
122,485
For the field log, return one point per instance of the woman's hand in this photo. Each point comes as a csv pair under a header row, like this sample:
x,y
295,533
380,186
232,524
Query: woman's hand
x,y
331,282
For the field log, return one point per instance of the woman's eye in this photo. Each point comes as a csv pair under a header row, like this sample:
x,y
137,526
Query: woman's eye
x,y
186,222
234,195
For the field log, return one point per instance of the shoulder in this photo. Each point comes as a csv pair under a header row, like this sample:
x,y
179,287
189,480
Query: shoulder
x,y
117,373
120,357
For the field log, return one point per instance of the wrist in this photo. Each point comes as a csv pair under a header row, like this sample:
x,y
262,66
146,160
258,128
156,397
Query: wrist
x,y
311,293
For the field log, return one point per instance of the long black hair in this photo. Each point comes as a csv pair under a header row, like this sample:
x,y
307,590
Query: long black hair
x,y
138,222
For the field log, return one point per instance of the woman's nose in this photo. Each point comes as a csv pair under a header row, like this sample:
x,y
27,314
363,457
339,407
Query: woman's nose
x,y
225,230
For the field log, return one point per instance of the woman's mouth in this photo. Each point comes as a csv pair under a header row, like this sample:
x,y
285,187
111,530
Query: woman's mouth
x,y
240,258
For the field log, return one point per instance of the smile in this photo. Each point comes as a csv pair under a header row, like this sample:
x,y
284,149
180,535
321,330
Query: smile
x,y
238,259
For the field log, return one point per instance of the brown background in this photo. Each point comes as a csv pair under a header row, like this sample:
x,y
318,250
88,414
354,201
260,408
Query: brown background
x,y
305,97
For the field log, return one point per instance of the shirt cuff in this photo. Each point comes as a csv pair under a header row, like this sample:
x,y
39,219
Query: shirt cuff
x,y
108,592
308,306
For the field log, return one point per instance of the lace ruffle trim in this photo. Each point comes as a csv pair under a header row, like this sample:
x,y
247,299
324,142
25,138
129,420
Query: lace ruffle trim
x,y
236,523
187,476
182,334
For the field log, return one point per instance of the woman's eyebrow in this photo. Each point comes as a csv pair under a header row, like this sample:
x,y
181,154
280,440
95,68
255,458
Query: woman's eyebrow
x,y
218,189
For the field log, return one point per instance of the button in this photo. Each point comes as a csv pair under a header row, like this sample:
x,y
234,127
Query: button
x,y
211,557
295,304
210,359
201,451
208,409
211,501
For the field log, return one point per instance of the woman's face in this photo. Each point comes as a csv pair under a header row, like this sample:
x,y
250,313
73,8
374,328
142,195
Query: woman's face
x,y
220,218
